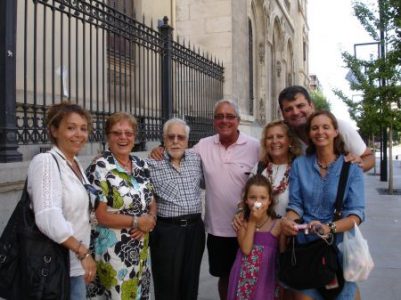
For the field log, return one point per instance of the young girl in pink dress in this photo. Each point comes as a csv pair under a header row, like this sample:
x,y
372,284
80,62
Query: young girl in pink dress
x,y
253,274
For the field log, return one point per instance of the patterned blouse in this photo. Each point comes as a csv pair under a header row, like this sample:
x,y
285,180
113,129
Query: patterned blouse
x,y
123,265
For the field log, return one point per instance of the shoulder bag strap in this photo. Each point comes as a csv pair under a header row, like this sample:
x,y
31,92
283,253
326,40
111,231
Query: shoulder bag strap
x,y
340,191
261,167
26,199
25,190
58,166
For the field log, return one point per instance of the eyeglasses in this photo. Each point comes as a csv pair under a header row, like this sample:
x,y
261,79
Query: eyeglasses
x,y
227,117
128,134
179,137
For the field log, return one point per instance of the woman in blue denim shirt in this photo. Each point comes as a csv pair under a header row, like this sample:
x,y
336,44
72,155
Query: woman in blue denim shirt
x,y
313,189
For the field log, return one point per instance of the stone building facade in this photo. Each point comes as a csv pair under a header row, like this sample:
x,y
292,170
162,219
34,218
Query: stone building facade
x,y
263,45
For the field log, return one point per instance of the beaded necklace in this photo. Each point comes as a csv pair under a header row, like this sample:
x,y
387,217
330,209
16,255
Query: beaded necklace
x,y
281,187
327,165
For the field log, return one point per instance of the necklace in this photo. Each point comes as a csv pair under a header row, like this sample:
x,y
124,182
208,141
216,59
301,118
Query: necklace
x,y
282,186
325,166
322,166
75,169
126,165
73,166
70,162
258,226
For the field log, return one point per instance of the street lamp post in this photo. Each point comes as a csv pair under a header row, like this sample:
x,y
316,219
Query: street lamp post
x,y
383,167
383,130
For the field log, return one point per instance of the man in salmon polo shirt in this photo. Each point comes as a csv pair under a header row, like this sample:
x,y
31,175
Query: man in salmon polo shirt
x,y
227,158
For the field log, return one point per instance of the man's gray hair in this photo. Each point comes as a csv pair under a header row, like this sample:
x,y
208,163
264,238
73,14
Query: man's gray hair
x,y
229,102
176,121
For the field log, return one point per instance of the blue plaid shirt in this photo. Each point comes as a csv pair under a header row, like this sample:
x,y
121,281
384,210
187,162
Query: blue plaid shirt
x,y
177,192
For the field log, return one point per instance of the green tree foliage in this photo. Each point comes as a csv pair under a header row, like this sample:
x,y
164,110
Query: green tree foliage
x,y
381,102
364,113
319,100
378,80
395,15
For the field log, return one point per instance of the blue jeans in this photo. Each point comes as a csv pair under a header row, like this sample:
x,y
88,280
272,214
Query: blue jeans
x,y
347,293
77,288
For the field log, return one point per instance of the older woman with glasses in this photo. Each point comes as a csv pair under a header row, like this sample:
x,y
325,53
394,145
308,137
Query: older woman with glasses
x,y
125,211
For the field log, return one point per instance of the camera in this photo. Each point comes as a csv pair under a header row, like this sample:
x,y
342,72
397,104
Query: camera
x,y
304,227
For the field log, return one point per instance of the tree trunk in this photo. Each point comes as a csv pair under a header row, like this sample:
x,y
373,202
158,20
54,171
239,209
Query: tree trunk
x,y
390,171
373,147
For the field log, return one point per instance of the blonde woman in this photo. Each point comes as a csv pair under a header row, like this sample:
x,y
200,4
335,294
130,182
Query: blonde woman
x,y
278,148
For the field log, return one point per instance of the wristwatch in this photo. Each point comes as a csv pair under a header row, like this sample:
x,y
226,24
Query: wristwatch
x,y
333,228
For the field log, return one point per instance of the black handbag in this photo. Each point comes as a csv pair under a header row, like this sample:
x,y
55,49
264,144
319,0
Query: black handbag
x,y
315,264
310,265
9,249
32,266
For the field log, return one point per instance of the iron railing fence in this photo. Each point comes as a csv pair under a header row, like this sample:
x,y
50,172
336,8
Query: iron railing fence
x,y
88,52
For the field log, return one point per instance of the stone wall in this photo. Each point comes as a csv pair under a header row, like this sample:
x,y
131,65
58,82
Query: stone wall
x,y
279,37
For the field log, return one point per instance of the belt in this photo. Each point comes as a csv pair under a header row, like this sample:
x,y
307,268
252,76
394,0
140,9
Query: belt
x,y
182,221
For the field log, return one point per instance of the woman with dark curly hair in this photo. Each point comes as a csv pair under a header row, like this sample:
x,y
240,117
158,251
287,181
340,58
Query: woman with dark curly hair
x,y
125,211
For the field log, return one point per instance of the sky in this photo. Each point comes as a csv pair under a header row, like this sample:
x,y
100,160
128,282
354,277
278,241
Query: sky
x,y
333,29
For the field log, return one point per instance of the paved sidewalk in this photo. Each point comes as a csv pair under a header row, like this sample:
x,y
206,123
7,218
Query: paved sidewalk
x,y
382,229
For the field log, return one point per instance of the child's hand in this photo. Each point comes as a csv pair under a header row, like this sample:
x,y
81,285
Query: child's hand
x,y
258,212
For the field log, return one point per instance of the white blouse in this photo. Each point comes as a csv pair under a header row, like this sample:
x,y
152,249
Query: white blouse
x,y
60,201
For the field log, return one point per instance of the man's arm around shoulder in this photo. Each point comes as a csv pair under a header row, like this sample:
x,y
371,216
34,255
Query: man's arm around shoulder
x,y
366,161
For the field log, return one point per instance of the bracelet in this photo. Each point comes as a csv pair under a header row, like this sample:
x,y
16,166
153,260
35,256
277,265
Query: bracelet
x,y
333,227
85,255
135,222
